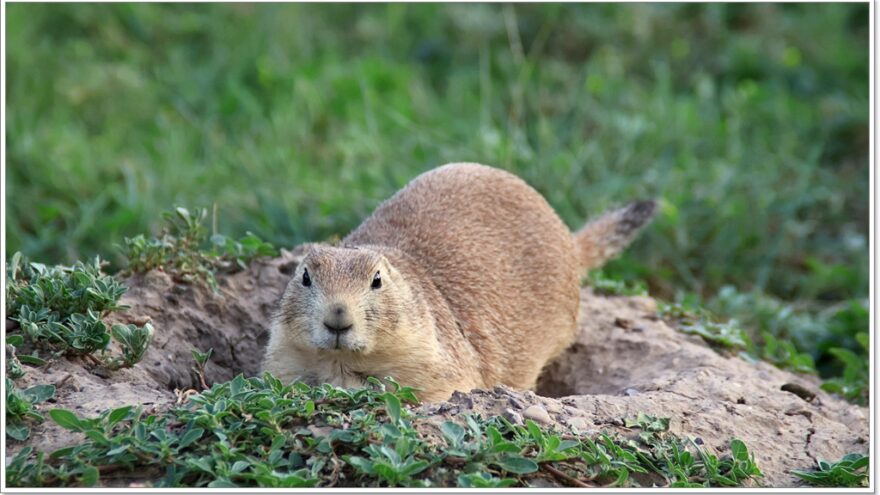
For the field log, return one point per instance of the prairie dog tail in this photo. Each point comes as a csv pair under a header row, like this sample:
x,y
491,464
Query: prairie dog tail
x,y
606,236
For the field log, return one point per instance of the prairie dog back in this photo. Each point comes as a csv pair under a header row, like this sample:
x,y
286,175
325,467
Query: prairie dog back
x,y
497,252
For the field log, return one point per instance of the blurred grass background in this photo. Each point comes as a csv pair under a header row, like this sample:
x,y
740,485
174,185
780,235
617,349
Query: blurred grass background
x,y
749,120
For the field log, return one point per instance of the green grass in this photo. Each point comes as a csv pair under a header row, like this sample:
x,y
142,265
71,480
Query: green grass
x,y
750,121
293,122
260,432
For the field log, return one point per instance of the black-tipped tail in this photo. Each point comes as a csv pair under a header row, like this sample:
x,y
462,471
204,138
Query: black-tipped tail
x,y
607,236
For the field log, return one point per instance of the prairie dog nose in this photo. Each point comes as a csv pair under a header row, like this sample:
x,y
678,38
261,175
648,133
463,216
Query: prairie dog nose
x,y
338,319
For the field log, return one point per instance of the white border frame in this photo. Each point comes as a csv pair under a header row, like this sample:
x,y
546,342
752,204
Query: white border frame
x,y
873,342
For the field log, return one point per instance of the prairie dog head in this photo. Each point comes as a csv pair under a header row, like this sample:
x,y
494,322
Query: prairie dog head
x,y
342,301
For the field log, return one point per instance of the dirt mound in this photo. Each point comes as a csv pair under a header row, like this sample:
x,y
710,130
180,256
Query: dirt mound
x,y
625,361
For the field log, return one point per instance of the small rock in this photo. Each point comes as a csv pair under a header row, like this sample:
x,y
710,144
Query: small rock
x,y
630,392
101,372
579,424
794,411
518,404
799,390
513,416
537,413
502,390
553,406
623,323
541,483
461,398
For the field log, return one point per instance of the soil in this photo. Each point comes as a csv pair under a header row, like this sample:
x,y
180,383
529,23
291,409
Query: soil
x,y
625,361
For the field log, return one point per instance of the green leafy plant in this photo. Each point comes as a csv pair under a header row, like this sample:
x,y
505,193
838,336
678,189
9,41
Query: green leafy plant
x,y
14,360
604,284
60,290
261,432
13,364
184,250
647,422
201,359
779,333
243,250
20,408
854,383
60,310
698,321
784,354
134,342
851,471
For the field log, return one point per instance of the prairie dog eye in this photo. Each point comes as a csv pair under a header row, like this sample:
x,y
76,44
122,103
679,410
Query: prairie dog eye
x,y
377,281
307,281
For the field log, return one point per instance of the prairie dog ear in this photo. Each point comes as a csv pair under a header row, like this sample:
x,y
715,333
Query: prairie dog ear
x,y
387,269
294,257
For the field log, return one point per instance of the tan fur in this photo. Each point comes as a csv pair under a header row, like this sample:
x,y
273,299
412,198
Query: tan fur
x,y
480,286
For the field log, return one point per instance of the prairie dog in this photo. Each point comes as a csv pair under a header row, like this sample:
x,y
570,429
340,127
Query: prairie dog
x,y
465,278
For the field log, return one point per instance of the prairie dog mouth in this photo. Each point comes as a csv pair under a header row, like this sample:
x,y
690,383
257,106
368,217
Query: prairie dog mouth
x,y
337,344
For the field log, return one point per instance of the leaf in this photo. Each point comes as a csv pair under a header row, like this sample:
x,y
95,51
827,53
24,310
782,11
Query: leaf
x,y
39,393
66,419
534,431
392,406
202,464
739,450
567,444
414,468
363,465
89,476
516,464
190,437
239,466
294,481
858,461
219,240
31,360
237,385
453,432
97,437
117,415
17,432
222,483
505,447
62,452
15,340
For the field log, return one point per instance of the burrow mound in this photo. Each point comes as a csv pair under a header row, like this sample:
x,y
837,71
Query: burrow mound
x,y
625,361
